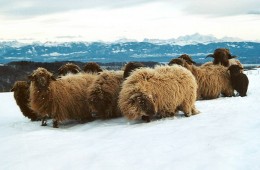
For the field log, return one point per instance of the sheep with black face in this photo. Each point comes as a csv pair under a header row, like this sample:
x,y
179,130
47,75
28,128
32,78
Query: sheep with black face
x,y
21,95
162,91
239,80
61,99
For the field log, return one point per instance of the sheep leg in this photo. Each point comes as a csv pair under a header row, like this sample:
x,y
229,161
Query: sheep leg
x,y
187,110
146,119
55,124
44,121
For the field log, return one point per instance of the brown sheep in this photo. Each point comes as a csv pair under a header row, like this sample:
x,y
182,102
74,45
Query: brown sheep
x,y
187,58
21,95
68,68
61,99
212,80
239,80
223,57
161,92
92,67
130,67
103,94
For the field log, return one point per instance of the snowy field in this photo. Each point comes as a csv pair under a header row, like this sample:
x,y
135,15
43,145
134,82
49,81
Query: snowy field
x,y
225,136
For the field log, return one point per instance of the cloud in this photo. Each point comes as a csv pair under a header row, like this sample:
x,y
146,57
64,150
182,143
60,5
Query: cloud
x,y
221,7
31,8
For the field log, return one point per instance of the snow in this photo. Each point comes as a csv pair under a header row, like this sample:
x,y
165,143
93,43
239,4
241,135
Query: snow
x,y
224,136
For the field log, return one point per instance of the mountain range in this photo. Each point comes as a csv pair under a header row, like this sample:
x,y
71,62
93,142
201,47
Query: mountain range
x,y
196,45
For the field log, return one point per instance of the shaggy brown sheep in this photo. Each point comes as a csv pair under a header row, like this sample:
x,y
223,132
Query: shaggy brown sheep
x,y
68,68
103,94
187,58
130,67
212,80
162,91
61,99
92,67
239,80
223,57
21,95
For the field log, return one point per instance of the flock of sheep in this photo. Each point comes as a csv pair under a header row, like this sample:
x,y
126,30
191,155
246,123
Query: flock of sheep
x,y
135,92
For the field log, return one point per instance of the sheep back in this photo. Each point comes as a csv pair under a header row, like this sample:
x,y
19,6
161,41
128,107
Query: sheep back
x,y
165,89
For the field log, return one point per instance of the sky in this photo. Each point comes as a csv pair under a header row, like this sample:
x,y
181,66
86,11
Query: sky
x,y
106,20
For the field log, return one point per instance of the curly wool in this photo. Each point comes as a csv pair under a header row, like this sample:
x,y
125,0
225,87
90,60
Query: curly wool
x,y
61,99
166,89
212,80
103,94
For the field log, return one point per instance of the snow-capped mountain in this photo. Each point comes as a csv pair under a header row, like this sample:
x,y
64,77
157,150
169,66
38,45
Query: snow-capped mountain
x,y
193,39
196,45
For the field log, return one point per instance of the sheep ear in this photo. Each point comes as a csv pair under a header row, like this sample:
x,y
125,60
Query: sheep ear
x,y
241,68
210,55
31,77
233,56
12,89
53,78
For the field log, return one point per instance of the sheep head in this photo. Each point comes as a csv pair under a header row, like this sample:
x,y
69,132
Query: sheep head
x,y
235,69
92,67
68,68
130,67
20,85
221,56
41,77
187,58
144,104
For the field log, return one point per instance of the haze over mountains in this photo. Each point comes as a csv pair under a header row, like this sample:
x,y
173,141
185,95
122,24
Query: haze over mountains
x,y
196,45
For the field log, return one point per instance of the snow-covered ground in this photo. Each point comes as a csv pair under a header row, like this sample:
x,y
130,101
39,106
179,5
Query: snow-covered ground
x,y
225,136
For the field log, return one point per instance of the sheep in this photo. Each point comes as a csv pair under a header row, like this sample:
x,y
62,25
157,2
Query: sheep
x,y
161,91
223,57
239,80
212,80
131,66
92,67
187,58
21,95
103,94
61,99
68,68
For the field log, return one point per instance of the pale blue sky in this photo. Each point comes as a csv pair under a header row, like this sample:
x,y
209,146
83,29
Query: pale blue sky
x,y
108,20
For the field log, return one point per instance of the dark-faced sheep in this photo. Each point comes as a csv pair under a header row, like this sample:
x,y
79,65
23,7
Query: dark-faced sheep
x,y
103,94
161,92
21,95
187,58
223,57
239,80
61,99
212,80
92,67
68,68
130,67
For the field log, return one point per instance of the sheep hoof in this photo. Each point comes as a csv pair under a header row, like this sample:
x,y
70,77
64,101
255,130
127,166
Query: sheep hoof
x,y
55,124
146,119
187,114
44,123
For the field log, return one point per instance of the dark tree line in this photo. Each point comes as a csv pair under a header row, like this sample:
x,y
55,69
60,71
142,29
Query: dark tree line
x,y
14,71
